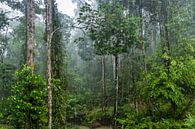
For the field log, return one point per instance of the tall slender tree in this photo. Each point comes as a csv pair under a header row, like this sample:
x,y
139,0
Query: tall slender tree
x,y
104,94
58,67
113,33
48,4
30,13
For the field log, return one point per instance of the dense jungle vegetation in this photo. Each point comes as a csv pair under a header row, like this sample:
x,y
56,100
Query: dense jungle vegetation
x,y
121,64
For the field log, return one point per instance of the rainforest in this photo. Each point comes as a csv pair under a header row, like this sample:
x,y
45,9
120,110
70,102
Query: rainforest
x,y
101,64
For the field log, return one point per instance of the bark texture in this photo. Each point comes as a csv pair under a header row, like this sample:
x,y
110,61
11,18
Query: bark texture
x,y
48,4
103,85
116,79
30,32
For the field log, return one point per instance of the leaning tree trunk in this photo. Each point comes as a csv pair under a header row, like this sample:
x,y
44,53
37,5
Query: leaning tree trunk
x,y
116,81
49,38
30,32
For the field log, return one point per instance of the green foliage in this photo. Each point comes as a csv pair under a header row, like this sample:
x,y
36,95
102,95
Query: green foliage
x,y
27,105
78,112
160,97
112,31
6,75
97,115
58,62
171,85
57,47
2,126
190,121
59,104
168,93
74,108
150,123
143,120
75,127
20,5
6,80
94,116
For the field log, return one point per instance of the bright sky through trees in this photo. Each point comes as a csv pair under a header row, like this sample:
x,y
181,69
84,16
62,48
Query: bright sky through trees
x,y
66,7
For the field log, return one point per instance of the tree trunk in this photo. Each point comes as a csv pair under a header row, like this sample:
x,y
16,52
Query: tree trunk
x,y
113,65
142,32
116,80
103,85
30,32
49,38
30,41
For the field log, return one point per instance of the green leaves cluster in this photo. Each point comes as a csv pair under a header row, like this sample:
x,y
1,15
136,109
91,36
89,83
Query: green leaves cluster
x,y
27,102
111,30
176,81
59,104
167,92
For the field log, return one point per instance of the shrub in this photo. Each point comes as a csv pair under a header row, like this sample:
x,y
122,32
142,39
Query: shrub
x,y
27,102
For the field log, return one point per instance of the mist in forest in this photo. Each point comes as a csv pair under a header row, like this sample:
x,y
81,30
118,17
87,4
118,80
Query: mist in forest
x,y
97,64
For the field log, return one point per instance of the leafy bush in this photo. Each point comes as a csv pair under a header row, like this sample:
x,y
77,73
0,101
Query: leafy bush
x,y
144,121
27,102
167,94
97,115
